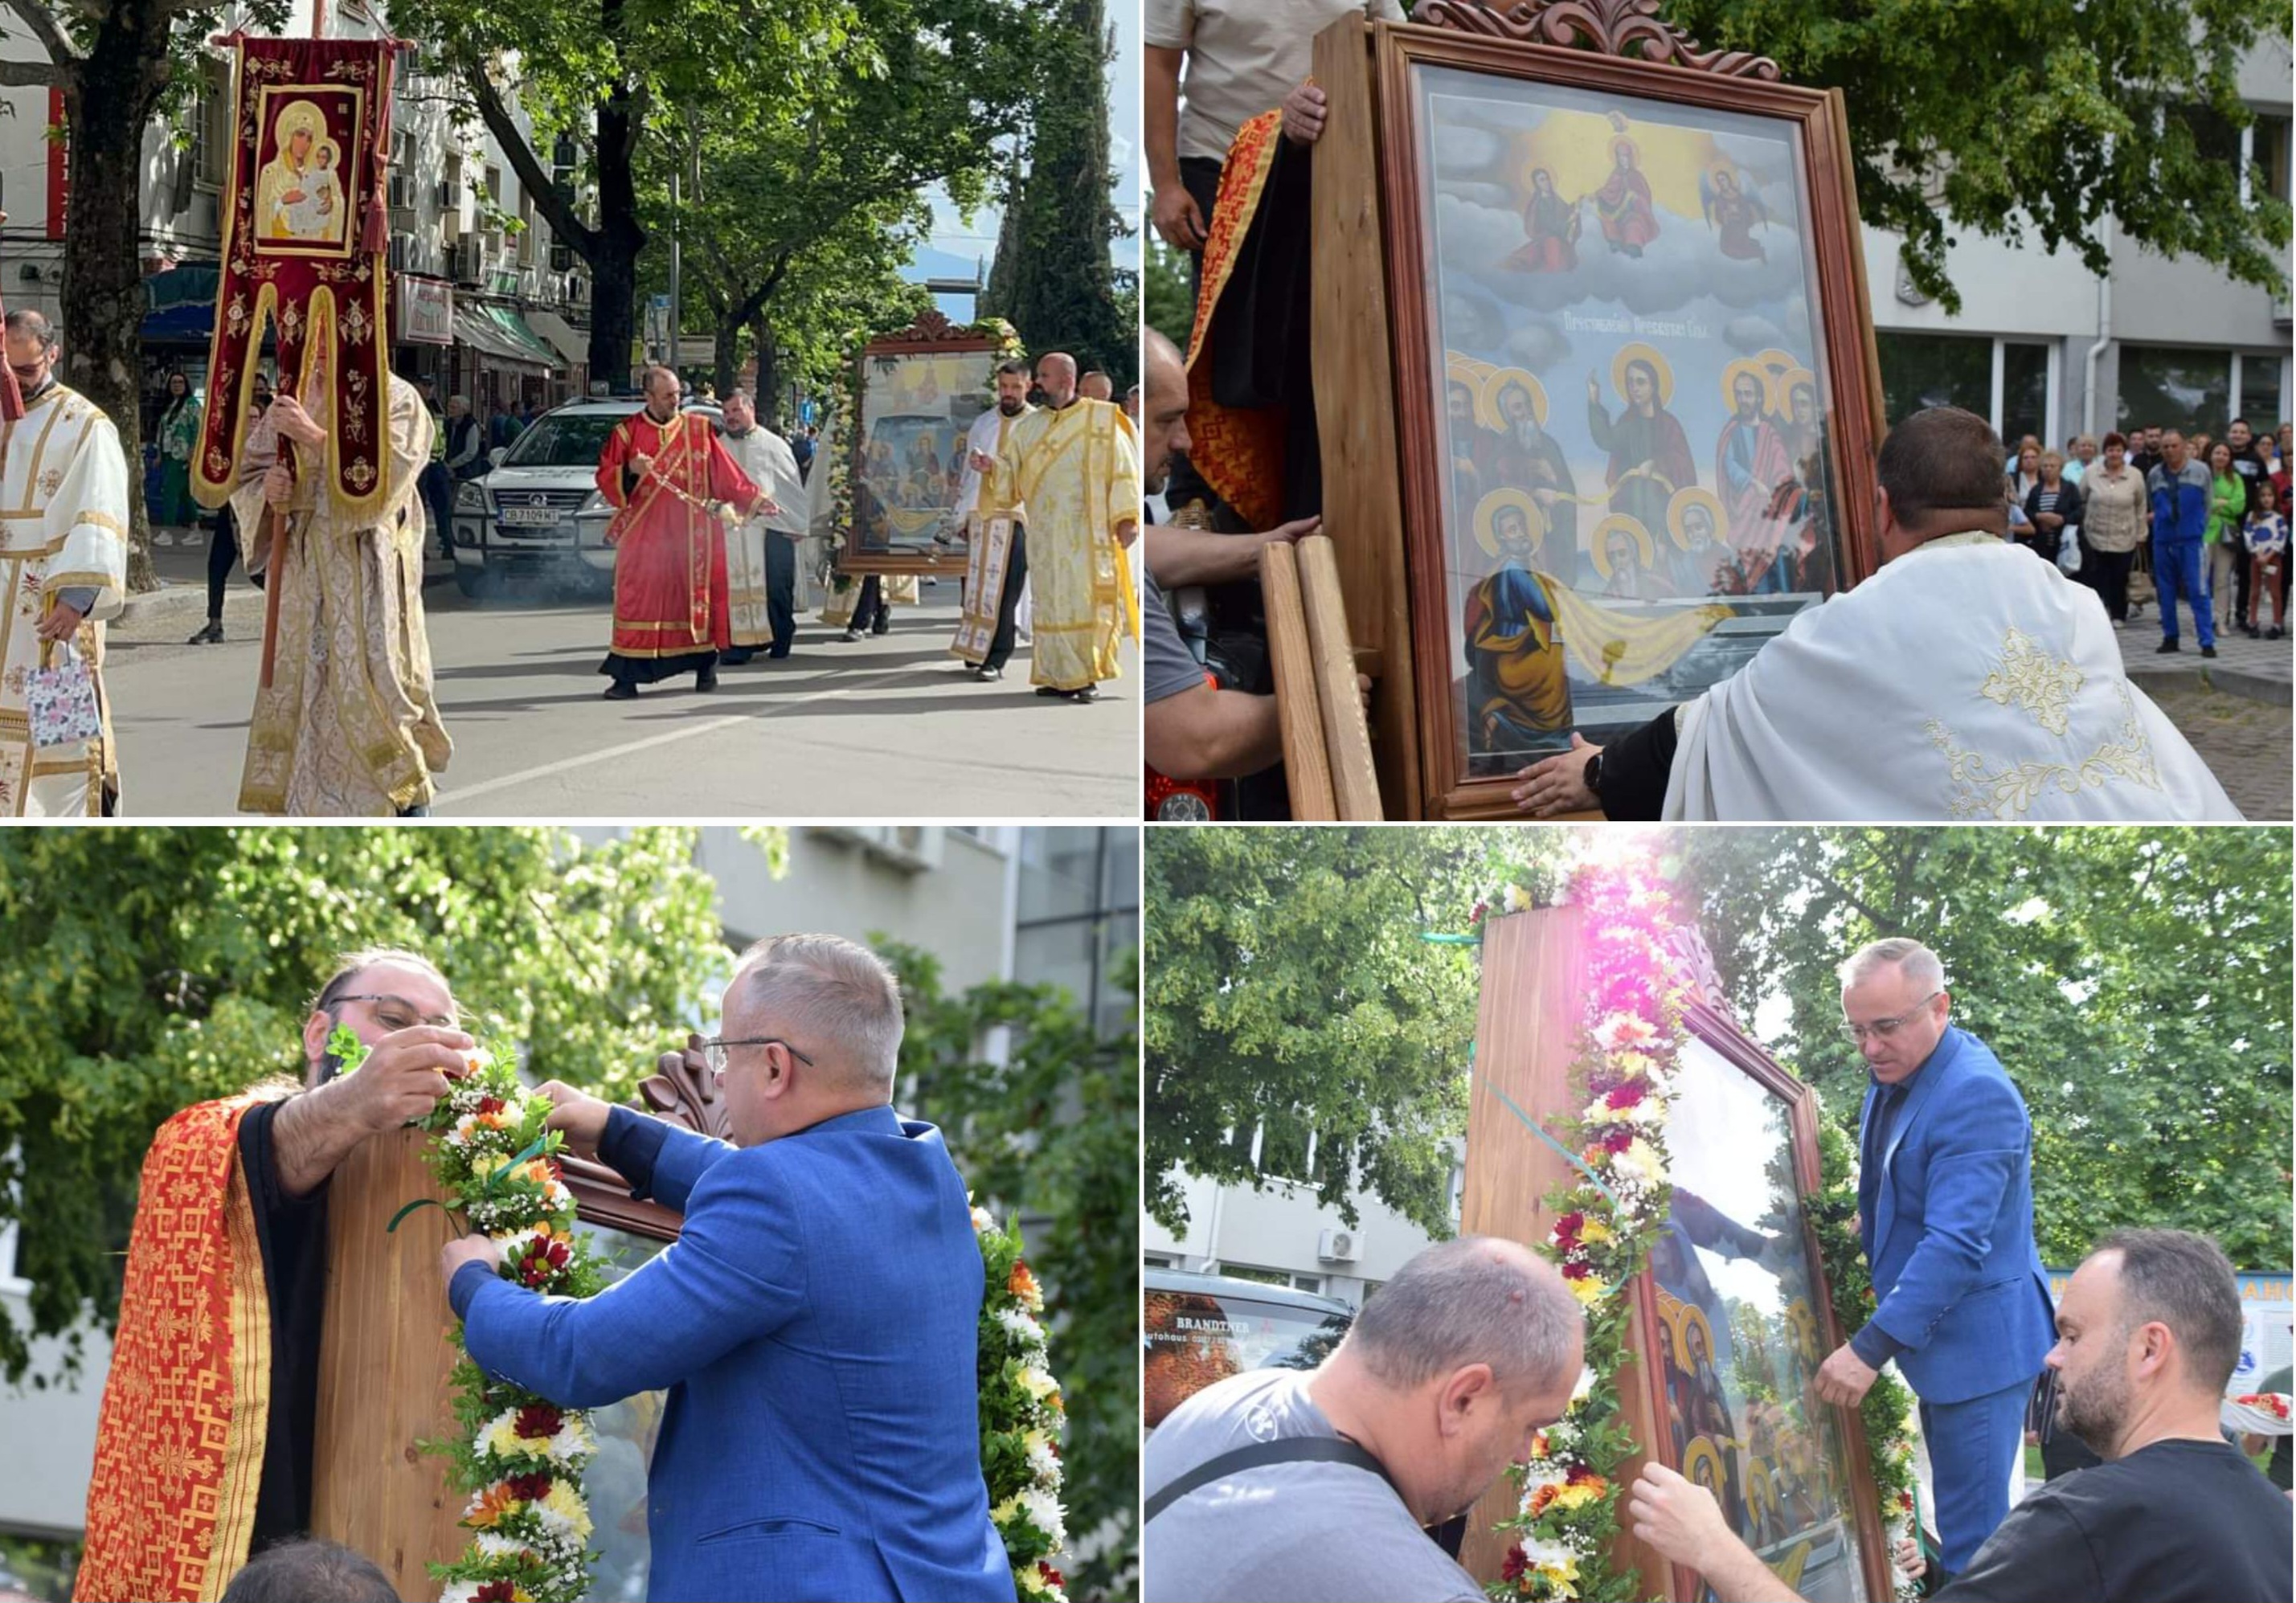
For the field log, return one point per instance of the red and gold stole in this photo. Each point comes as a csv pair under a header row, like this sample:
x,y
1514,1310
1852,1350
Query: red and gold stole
x,y
179,1442
1239,452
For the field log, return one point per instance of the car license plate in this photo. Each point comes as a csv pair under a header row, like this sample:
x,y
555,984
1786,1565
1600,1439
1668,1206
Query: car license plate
x,y
530,517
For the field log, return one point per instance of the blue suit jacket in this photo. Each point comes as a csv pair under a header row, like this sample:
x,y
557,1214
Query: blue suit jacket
x,y
1946,1216
816,1325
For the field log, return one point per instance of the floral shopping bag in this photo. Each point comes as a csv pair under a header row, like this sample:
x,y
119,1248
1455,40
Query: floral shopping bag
x,y
60,700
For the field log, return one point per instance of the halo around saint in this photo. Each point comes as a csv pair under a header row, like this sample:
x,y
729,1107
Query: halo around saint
x,y
1685,498
1487,401
1487,512
1598,543
299,117
1647,352
1772,397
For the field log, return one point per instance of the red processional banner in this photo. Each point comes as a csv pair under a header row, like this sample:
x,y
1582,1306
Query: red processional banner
x,y
304,233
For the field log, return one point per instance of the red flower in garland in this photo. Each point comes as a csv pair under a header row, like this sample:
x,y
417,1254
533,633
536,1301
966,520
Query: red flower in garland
x,y
538,1420
1512,1570
490,1105
1574,1270
1050,1576
541,1258
1617,1139
494,1591
1567,1228
1625,1096
530,1488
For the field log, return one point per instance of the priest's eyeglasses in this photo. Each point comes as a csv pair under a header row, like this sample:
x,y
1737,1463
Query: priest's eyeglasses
x,y
398,1013
716,1053
1884,1028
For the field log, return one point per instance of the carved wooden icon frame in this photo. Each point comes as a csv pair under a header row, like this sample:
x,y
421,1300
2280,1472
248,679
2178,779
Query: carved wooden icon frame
x,y
931,335
1571,45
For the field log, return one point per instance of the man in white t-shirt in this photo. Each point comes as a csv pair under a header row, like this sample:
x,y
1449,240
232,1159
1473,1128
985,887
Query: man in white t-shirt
x,y
1230,61
1440,1384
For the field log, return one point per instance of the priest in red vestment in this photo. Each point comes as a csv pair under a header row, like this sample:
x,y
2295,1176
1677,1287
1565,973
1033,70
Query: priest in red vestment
x,y
666,474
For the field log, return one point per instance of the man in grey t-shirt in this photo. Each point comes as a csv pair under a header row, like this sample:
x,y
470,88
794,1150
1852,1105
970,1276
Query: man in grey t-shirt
x,y
1473,1348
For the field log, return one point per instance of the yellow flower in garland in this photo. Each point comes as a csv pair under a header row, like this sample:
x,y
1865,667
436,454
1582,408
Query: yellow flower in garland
x,y
567,1503
1593,1230
1588,1291
1577,1496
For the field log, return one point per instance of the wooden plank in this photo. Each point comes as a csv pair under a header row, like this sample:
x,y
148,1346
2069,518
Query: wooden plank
x,y
1307,767
1347,737
1355,397
384,1358
1525,1038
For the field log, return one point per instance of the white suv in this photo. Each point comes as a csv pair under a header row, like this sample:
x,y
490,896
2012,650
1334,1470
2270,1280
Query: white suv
x,y
538,512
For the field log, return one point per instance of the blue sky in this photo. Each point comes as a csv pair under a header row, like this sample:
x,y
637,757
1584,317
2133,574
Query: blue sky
x,y
957,244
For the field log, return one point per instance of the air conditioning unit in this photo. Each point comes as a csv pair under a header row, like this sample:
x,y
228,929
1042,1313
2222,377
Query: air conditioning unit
x,y
469,262
1339,1247
911,846
443,196
402,191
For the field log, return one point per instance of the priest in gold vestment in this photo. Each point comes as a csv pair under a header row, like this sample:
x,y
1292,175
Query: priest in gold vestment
x,y
1075,464
63,547
349,726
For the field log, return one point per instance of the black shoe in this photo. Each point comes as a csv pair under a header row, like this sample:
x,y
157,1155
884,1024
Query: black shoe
x,y
211,635
2253,633
984,672
705,680
882,628
621,690
418,811
2274,633
2208,651
2166,646
735,657
1047,690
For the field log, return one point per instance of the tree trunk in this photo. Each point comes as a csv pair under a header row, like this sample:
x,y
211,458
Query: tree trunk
x,y
728,356
104,276
769,381
614,263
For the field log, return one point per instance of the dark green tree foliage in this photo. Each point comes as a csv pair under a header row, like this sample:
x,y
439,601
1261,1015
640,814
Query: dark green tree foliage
x,y
2134,983
149,969
1054,279
1289,990
2031,121
1051,1137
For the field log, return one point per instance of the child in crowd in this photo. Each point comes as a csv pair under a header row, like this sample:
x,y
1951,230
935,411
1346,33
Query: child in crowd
x,y
2266,535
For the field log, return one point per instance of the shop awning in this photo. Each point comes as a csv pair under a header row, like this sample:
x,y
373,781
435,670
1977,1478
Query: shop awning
x,y
499,333
179,305
572,345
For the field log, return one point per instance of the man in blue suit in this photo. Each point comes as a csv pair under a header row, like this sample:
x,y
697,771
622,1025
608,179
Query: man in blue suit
x,y
1945,1195
814,1322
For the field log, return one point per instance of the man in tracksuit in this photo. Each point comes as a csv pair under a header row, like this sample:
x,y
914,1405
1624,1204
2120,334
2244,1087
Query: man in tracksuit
x,y
2179,488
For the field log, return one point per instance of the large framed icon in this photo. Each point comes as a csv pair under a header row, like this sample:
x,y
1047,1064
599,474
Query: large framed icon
x,y
1732,1316
1636,401
919,391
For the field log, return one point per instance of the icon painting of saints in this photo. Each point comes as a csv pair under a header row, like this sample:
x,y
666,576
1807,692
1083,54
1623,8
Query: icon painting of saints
x,y
1518,692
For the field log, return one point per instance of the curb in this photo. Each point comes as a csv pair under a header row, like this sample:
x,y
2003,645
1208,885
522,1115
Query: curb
x,y
2232,681
173,597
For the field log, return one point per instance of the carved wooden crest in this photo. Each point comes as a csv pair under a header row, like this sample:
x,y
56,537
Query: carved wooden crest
x,y
931,323
1691,963
682,1090
1621,28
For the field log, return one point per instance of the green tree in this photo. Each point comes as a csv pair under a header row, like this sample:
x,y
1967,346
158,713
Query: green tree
x,y
2134,983
1054,279
156,968
1171,304
605,72
1288,992
119,65
2036,120
1052,1134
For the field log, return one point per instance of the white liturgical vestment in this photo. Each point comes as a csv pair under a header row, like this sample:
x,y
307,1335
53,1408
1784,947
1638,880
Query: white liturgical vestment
x,y
1966,680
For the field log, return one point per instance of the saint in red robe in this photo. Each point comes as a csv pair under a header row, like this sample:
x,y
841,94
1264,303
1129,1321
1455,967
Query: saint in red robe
x,y
670,613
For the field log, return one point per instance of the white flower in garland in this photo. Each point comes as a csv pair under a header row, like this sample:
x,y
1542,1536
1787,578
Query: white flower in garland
x,y
1623,1032
1023,1326
1038,1382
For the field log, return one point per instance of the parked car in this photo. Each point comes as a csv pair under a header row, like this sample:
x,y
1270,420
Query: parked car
x,y
1198,1328
537,513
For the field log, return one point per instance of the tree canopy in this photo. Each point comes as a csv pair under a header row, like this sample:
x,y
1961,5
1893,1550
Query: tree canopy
x,y
2134,983
1287,990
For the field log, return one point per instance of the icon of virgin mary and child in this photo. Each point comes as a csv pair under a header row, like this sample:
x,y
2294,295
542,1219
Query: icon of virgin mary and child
x,y
299,195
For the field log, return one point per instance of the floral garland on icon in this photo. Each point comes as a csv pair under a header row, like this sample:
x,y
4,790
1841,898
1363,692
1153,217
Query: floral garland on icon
x,y
518,1455
1605,1225
1020,1416
1887,1413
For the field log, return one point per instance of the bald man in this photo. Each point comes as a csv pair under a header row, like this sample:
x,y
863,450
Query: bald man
x,y
1281,1483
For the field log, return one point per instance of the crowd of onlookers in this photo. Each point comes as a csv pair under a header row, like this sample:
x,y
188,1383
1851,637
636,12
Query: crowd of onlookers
x,y
2156,509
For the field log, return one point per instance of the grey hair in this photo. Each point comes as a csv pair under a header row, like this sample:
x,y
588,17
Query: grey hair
x,y
1914,961
1475,1300
350,965
309,1570
2185,1283
26,320
833,995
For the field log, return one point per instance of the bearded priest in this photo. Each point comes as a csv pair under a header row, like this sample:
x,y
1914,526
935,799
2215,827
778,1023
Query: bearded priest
x,y
1075,465
204,1444
666,474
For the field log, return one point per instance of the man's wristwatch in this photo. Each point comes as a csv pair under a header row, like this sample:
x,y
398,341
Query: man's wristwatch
x,y
1591,776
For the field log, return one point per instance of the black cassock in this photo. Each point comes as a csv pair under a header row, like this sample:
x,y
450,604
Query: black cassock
x,y
293,1235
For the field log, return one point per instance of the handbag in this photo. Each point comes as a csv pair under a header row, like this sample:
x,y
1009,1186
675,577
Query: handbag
x,y
2069,556
60,700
